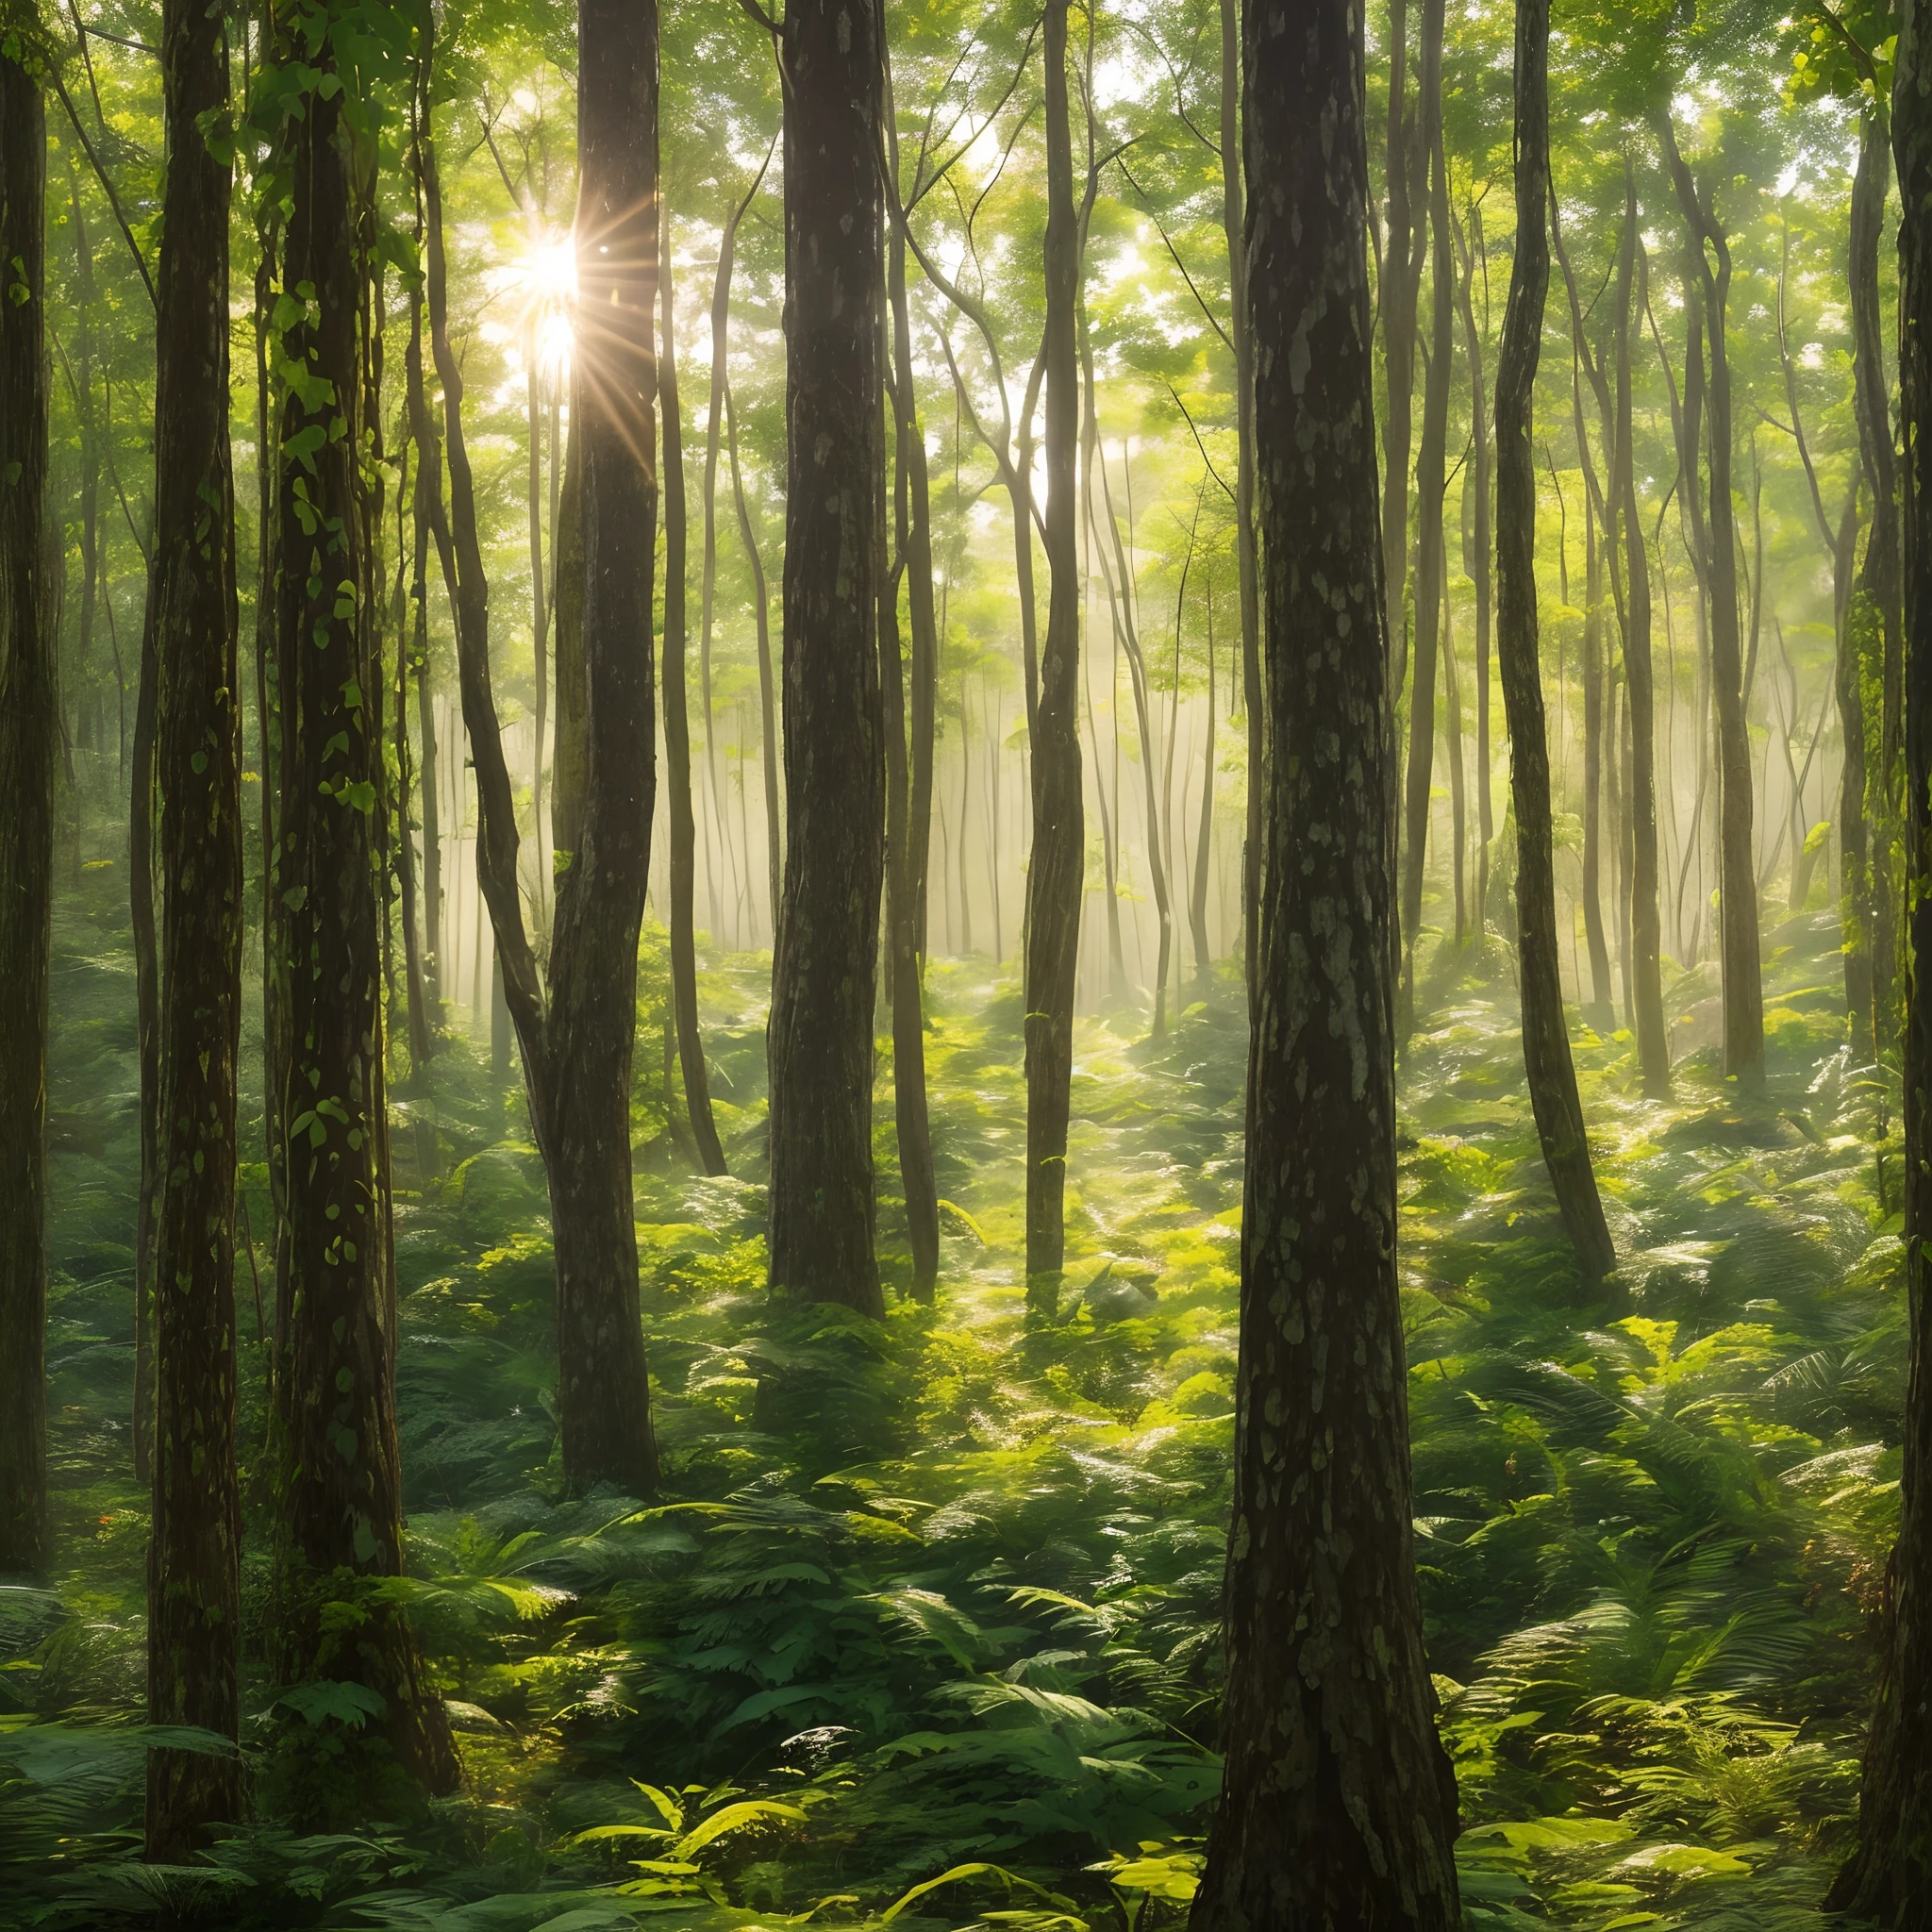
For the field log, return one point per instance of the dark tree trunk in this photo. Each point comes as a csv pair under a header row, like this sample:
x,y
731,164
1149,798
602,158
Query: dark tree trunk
x,y
1430,463
1744,993
341,1483
1879,889
684,965
1055,875
147,1033
909,787
1646,936
28,732
1889,1878
195,1555
1479,567
824,965
1545,1040
1337,1805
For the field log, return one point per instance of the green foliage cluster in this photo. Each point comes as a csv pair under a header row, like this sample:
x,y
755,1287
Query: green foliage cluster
x,y
937,1599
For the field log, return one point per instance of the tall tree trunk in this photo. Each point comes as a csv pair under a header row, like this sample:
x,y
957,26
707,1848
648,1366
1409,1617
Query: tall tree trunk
x,y
341,1481
684,967
28,730
195,1552
1545,1040
1479,560
1110,858
83,378
1055,875
1246,564
825,964
1646,938
1600,1009
147,1033
1744,993
1204,844
1452,746
1400,286
909,782
1337,1805
768,711
1875,887
1430,463
1889,1878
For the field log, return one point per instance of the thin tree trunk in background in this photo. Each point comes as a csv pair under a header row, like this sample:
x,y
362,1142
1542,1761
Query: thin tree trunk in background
x,y
148,1006
768,708
1600,1008
540,623
1888,1877
194,1580
28,730
1545,1040
965,824
343,1513
909,814
432,830
568,772
1878,885
1452,746
1744,993
684,969
1204,846
1246,560
1338,1804
1109,852
1479,559
1430,463
1399,265
1646,938
91,559
825,964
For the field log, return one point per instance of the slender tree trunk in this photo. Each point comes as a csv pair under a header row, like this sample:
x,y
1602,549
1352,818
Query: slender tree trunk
x,y
1876,888
341,1482
1089,445
1889,1878
1430,463
1743,995
539,622
1646,938
1452,746
1055,874
826,961
1479,559
965,824
1337,1805
28,731
147,1011
768,709
1600,1010
684,968
569,774
194,1554
1204,844
1400,286
909,768
1545,1040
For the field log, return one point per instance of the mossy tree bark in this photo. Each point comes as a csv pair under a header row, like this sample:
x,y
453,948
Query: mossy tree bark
x,y
29,730
195,1552
1055,872
1337,1805
824,965
1889,1878
1545,1040
341,1483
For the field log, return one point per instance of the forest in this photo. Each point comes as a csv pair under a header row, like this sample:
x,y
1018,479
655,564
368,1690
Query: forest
x,y
961,965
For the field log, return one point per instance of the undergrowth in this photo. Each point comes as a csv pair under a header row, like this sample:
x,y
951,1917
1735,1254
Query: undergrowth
x,y
924,1622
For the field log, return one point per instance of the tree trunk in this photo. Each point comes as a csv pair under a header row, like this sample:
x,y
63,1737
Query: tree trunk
x,y
825,964
768,712
1430,463
1400,285
909,785
147,1033
1744,993
1479,563
1877,888
1646,938
684,968
194,1554
28,731
1055,875
1601,1010
1545,1040
341,1482
1452,746
1204,844
1338,1804
1889,1878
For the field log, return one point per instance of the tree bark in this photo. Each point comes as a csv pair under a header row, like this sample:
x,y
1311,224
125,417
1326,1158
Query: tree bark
x,y
194,1554
1400,286
1545,1040
28,731
1430,463
1479,562
1055,874
768,712
1744,993
341,1482
1338,1804
684,966
826,961
1888,1877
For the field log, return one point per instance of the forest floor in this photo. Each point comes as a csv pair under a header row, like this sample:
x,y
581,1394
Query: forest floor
x,y
941,1593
